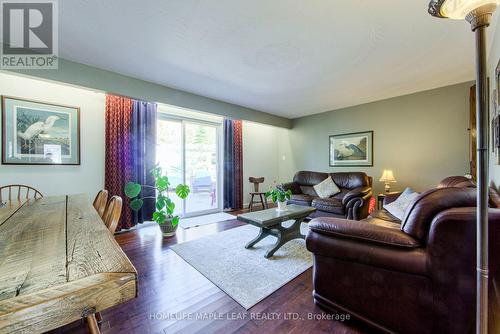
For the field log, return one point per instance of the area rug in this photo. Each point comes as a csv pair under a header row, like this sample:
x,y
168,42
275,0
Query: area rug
x,y
244,274
205,219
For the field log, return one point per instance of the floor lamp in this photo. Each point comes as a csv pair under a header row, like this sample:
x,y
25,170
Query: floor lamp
x,y
478,13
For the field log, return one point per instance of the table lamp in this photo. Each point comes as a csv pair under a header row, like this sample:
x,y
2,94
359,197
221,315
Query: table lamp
x,y
478,13
387,178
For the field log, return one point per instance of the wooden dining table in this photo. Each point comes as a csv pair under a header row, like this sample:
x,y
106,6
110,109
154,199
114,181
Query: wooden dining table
x,y
58,263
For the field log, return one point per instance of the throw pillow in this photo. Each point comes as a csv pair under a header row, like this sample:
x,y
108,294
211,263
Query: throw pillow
x,y
399,206
326,188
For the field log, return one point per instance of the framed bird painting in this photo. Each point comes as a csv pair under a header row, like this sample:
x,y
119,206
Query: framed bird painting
x,y
39,133
351,149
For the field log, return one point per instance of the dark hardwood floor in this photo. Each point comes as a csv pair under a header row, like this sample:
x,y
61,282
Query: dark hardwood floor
x,y
169,286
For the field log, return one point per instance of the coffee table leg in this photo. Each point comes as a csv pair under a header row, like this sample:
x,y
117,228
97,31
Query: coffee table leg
x,y
280,242
285,234
262,235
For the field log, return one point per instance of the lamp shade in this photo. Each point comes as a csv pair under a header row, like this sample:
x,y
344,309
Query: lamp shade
x,y
457,9
387,176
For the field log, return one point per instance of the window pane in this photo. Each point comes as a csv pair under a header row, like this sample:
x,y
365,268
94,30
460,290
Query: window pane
x,y
169,155
201,167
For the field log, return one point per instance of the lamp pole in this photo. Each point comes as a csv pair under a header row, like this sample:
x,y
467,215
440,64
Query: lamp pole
x,y
480,20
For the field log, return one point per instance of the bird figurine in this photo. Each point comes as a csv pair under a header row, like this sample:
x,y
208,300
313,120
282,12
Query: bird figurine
x,y
35,129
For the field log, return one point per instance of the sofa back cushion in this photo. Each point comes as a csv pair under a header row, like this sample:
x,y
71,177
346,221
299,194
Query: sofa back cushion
x,y
306,178
456,181
308,190
419,215
350,180
347,180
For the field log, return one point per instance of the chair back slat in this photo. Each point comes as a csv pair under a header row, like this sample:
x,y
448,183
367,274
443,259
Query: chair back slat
x,y
100,202
23,191
112,213
256,181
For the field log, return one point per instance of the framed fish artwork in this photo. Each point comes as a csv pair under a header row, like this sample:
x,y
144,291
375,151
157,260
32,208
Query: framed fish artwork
x,y
39,133
351,149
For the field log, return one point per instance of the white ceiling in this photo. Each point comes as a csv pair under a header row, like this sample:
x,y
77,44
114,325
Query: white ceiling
x,y
286,57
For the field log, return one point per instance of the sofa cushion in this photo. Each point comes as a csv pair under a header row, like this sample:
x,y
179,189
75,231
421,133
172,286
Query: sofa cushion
x,y
326,188
366,242
456,182
306,178
494,197
332,205
419,215
399,206
385,215
350,180
370,230
341,194
308,190
301,199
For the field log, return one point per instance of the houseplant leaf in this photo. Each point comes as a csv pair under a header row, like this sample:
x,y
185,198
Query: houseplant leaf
x,y
170,207
175,221
156,171
182,191
159,217
162,183
132,189
136,204
161,202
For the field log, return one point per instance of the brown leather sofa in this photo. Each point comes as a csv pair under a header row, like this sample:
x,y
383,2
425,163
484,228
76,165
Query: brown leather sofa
x,y
414,276
448,182
351,203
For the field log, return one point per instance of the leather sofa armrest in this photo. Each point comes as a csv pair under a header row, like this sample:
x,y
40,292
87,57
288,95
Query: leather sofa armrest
x,y
356,192
362,231
294,187
391,197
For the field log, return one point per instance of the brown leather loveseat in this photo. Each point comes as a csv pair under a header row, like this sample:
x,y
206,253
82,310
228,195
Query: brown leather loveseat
x,y
351,202
413,276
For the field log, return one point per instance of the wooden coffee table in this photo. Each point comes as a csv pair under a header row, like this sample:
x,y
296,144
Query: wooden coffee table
x,y
270,221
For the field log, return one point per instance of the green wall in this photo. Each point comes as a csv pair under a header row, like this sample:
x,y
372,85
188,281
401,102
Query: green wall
x,y
493,60
95,78
422,137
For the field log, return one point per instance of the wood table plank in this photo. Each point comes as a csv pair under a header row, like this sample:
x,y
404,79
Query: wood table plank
x,y
54,307
10,208
33,247
91,248
58,263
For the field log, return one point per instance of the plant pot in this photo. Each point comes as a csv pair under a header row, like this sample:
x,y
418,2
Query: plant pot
x,y
281,206
167,229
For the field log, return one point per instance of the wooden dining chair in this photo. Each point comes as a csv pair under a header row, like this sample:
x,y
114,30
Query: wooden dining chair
x,y
112,213
100,202
110,216
19,192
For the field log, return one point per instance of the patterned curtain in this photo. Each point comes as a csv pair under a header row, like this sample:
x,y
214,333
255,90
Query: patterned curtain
x,y
144,154
118,162
233,164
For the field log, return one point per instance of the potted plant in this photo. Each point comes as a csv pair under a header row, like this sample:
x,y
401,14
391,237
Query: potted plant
x,y
164,213
280,196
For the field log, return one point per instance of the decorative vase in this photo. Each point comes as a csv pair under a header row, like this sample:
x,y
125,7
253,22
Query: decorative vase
x,y
281,206
167,229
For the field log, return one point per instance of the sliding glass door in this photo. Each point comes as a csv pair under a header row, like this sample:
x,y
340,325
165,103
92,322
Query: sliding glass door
x,y
170,156
188,151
